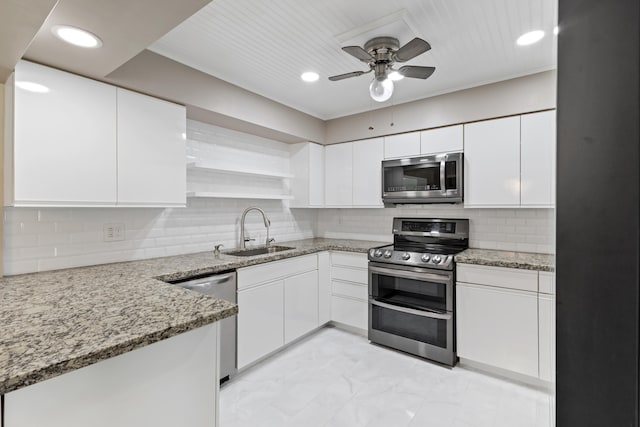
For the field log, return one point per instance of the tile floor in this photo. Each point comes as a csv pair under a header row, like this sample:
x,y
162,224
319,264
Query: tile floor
x,y
336,378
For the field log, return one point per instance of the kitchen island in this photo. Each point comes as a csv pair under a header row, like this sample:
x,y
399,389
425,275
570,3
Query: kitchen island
x,y
121,336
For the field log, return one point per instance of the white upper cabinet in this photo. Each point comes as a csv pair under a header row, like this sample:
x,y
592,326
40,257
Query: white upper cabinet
x,y
537,155
151,151
78,142
367,172
307,166
63,151
492,163
442,140
402,145
339,175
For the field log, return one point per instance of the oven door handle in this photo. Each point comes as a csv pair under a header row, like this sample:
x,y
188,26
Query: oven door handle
x,y
413,311
446,279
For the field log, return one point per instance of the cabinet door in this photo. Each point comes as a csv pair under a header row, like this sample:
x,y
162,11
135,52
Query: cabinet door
x,y
492,163
547,338
441,140
324,288
151,151
260,321
316,175
300,305
538,147
173,382
307,166
339,175
498,327
403,145
64,144
349,311
367,172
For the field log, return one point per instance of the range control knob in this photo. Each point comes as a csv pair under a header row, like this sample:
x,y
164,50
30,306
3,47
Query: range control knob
x,y
377,253
387,253
406,256
425,258
437,259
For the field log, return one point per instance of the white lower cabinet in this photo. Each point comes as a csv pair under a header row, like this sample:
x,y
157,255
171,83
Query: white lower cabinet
x,y
281,301
546,328
349,311
173,382
324,288
506,319
260,321
498,327
278,302
349,289
300,305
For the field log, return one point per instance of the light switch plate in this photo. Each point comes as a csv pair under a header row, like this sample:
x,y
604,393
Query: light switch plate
x,y
113,232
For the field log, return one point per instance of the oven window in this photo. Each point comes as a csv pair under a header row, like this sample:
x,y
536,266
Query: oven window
x,y
412,293
412,178
423,329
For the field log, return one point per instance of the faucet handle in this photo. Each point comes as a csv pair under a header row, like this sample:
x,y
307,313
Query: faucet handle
x,y
216,249
249,240
269,241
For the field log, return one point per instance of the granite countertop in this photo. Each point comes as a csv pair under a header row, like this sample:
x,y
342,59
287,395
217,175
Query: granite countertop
x,y
493,258
58,321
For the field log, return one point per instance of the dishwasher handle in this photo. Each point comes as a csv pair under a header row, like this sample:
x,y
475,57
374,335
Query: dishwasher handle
x,y
208,281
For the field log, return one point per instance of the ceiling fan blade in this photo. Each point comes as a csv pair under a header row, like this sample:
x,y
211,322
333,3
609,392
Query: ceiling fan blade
x,y
358,52
416,72
346,75
412,49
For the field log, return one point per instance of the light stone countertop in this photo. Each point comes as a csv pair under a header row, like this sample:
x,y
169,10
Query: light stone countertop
x,y
508,259
58,321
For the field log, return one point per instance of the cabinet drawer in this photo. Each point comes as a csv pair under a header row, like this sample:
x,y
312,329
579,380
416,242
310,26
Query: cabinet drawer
x,y
270,271
347,259
547,283
510,278
352,290
349,311
350,274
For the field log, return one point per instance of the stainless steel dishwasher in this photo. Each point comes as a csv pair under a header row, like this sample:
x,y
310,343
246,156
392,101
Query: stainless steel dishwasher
x,y
221,286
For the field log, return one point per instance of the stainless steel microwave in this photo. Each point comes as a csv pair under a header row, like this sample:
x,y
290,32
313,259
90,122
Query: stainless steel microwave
x,y
426,179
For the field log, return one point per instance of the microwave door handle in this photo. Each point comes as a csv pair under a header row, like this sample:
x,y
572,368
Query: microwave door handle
x,y
430,314
443,185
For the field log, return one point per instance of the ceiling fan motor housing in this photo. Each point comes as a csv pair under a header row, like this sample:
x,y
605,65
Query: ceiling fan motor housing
x,y
381,49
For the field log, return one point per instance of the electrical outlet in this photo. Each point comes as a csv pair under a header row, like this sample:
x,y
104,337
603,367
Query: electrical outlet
x,y
113,232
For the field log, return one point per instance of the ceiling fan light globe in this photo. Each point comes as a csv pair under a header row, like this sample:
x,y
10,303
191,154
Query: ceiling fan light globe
x,y
381,90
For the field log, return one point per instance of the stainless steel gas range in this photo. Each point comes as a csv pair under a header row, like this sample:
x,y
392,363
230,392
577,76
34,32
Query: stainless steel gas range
x,y
411,287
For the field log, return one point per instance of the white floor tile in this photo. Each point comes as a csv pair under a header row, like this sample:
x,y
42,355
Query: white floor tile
x,y
337,379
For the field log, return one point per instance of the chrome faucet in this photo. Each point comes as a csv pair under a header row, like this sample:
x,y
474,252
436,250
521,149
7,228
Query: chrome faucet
x,y
267,223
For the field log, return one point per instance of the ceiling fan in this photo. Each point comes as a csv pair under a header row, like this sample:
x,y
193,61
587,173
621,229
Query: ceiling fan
x,y
381,53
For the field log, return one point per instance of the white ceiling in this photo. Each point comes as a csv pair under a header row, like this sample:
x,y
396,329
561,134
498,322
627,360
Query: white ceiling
x,y
116,22
264,46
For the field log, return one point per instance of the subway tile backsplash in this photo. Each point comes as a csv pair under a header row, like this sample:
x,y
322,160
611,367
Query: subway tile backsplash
x,y
526,230
39,239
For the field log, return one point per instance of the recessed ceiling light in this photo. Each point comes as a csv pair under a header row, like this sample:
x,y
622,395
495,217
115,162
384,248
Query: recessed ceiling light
x,y
309,76
76,36
395,76
530,38
555,30
32,87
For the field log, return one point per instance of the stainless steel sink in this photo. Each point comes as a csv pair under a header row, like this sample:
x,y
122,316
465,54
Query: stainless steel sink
x,y
259,251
